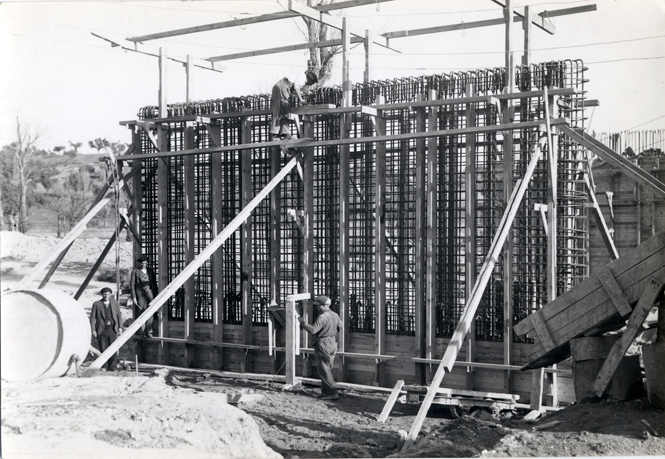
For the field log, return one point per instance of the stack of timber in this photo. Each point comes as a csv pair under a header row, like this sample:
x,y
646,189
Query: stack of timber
x,y
602,302
463,400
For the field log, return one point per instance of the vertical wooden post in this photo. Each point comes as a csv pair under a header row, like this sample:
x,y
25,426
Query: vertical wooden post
x,y
217,261
344,202
190,229
431,235
346,47
552,193
308,229
510,71
380,242
162,240
291,330
246,241
163,109
275,244
369,45
508,291
470,230
420,242
137,190
527,27
162,204
188,77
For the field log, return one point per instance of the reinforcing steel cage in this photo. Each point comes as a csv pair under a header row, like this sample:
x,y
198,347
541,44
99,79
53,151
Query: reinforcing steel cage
x,y
186,226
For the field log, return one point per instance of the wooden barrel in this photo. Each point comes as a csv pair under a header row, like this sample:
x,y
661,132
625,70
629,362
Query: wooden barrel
x,y
41,331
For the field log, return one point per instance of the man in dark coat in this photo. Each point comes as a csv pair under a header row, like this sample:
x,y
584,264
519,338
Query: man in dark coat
x,y
325,329
143,285
106,323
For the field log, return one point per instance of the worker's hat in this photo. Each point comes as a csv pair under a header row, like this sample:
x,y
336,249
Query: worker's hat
x,y
312,75
321,300
106,290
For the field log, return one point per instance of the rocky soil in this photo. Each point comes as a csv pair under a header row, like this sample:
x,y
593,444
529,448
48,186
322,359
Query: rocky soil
x,y
159,413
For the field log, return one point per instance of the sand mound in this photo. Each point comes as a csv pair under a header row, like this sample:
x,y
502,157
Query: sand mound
x,y
84,250
126,417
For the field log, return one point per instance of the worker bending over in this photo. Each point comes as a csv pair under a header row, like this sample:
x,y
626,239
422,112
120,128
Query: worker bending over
x,y
281,93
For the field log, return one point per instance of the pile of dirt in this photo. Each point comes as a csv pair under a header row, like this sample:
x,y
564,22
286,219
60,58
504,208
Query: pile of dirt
x,y
114,415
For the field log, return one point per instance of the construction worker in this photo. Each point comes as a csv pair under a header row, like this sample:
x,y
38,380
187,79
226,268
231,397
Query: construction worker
x,y
281,93
325,330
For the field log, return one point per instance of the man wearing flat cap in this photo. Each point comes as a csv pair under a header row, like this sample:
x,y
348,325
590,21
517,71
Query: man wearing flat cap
x,y
106,323
325,330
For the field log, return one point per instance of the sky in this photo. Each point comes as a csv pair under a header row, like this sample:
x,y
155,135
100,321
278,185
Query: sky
x,y
70,86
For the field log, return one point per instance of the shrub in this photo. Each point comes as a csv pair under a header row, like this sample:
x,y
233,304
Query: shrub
x,y
108,274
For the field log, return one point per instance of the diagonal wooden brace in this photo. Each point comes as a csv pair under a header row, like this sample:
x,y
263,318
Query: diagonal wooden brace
x,y
649,296
189,270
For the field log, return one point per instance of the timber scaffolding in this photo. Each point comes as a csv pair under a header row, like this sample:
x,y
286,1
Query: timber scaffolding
x,y
389,207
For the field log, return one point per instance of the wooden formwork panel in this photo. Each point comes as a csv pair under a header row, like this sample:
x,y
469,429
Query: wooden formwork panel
x,y
359,370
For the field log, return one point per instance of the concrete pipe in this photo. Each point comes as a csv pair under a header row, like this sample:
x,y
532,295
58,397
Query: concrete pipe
x,y
43,332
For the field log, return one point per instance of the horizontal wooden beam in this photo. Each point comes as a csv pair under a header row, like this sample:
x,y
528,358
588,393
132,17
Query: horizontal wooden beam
x,y
490,366
306,143
329,109
282,49
331,21
252,20
567,11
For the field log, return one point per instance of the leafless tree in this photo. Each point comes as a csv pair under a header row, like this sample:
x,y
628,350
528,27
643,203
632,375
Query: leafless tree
x,y
24,150
321,59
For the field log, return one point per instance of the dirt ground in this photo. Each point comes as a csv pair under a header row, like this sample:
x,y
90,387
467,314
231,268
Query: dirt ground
x,y
180,414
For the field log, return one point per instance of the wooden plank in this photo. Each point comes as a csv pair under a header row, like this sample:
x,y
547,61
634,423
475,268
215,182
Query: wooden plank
x,y
217,259
100,260
431,234
308,235
302,143
189,270
275,255
251,20
64,243
470,215
390,402
537,389
380,237
526,26
420,242
462,392
464,324
614,292
246,240
163,228
600,221
542,331
344,202
626,166
633,328
508,294
190,232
